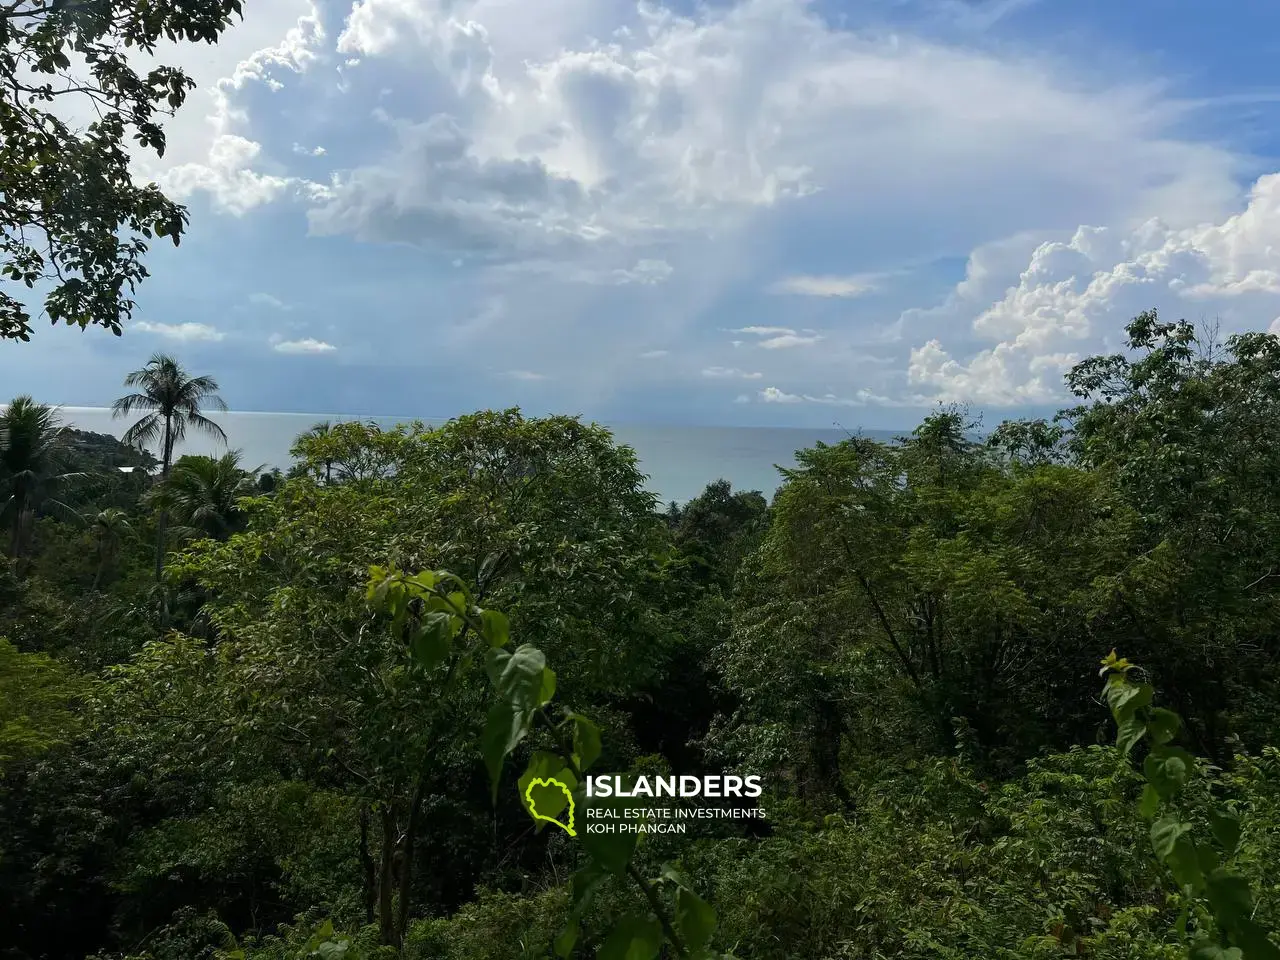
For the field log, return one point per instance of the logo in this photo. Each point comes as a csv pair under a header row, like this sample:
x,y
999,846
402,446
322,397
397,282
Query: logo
x,y
552,794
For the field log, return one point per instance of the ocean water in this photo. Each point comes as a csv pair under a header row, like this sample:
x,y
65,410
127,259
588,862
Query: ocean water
x,y
679,461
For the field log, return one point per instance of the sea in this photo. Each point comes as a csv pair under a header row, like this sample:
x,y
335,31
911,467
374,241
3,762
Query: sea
x,y
679,461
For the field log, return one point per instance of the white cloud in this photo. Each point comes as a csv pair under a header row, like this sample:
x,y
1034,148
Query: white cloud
x,y
304,346
778,338
1074,292
774,395
593,144
646,272
267,300
856,285
179,331
302,151
526,375
227,175
730,373
653,354
590,127
228,168
861,398
789,340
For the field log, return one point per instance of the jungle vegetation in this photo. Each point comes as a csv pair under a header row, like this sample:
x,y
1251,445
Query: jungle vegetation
x,y
251,714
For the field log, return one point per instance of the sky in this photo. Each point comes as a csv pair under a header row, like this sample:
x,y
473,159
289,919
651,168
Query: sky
x,y
764,212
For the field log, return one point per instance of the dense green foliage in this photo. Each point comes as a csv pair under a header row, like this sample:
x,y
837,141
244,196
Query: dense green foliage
x,y
308,739
74,223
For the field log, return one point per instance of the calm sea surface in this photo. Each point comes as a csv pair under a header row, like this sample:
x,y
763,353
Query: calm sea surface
x,y
679,461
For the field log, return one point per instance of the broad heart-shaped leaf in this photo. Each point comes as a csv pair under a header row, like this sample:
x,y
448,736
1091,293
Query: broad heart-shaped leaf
x,y
586,741
497,631
519,676
1163,725
1254,942
582,889
1230,899
634,938
566,939
549,801
695,919
1225,825
1173,844
432,639
611,850
1149,805
504,728
1215,951
1167,770
1127,698
1129,731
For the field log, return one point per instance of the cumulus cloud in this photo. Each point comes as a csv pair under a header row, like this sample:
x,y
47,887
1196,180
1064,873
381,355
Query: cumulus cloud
x,y
593,144
437,193
307,345
228,176
1074,291
774,395
730,373
810,286
592,125
861,398
179,331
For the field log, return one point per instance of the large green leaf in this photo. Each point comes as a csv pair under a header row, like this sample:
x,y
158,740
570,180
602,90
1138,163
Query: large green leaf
x,y
550,801
497,631
1230,899
1254,942
1225,825
612,851
504,728
432,639
635,937
586,741
1167,770
1172,841
518,676
695,919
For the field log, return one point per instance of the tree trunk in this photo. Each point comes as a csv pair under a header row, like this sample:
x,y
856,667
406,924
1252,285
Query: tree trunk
x,y
15,535
406,863
162,521
387,881
369,868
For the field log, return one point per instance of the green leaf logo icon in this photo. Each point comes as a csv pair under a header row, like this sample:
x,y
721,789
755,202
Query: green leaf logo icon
x,y
540,785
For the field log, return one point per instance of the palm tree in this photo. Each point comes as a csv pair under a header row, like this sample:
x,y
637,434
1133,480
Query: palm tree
x,y
305,443
32,454
173,401
110,528
201,495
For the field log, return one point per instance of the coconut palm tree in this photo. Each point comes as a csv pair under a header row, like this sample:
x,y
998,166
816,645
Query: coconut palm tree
x,y
110,529
173,400
33,453
305,443
201,495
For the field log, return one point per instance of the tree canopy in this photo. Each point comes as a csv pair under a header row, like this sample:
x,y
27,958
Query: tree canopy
x,y
74,223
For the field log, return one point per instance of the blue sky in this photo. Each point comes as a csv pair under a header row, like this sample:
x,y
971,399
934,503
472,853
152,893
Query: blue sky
x,y
768,212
